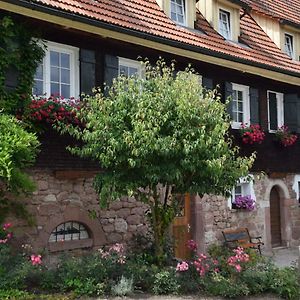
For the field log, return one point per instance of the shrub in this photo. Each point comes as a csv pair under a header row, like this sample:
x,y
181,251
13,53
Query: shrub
x,y
285,283
218,285
165,283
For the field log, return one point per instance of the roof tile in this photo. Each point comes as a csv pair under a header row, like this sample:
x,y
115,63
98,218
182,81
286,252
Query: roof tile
x,y
146,16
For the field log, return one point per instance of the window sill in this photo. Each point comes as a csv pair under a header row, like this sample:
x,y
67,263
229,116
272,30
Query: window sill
x,y
69,245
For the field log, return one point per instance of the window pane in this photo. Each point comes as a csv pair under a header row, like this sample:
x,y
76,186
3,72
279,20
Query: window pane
x,y
65,76
39,72
52,238
123,70
133,71
54,58
68,237
65,91
240,117
65,60
38,88
54,89
273,111
240,106
180,18
75,236
54,74
83,235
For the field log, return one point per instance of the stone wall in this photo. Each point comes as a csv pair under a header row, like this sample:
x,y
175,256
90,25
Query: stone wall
x,y
66,196
213,214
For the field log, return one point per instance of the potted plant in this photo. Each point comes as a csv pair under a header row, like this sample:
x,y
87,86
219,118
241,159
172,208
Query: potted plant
x,y
285,137
245,202
252,134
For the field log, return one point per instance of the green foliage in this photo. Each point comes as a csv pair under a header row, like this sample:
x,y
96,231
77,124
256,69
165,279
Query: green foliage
x,y
165,283
18,149
87,286
218,285
161,129
9,294
20,53
285,283
156,134
123,288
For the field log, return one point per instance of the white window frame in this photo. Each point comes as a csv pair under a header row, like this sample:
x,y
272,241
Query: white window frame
x,y
131,63
246,105
291,53
247,188
280,110
228,15
74,68
296,187
183,5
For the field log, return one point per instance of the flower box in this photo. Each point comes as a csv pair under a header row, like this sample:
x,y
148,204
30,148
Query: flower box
x,y
252,134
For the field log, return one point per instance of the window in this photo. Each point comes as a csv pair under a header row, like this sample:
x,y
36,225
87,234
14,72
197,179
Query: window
x,y
244,187
129,67
58,74
275,110
178,11
240,106
69,231
224,24
289,45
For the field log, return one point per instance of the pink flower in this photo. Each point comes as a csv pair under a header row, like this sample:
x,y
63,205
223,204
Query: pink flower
x,y
6,226
182,267
9,235
192,245
238,268
3,241
36,259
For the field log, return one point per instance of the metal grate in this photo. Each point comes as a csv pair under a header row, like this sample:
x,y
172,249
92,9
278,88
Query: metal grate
x,y
69,231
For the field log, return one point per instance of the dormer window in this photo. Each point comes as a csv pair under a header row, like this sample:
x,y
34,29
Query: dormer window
x,y
224,24
289,45
178,11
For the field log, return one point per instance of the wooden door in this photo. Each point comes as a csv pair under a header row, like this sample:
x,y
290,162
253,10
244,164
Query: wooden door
x,y
182,227
275,218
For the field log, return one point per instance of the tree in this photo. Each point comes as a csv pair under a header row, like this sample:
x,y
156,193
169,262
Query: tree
x,y
18,149
156,134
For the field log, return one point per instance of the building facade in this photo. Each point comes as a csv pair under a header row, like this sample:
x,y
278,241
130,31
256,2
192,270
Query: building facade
x,y
248,49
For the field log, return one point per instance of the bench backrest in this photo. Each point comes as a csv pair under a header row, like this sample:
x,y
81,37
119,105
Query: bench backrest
x,y
236,234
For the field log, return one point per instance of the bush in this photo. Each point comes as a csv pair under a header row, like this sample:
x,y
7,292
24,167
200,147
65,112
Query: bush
x,y
165,283
218,285
285,283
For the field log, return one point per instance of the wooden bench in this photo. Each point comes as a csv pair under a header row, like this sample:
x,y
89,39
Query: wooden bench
x,y
240,237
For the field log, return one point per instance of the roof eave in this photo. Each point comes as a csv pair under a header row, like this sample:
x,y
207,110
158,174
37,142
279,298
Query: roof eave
x,y
52,11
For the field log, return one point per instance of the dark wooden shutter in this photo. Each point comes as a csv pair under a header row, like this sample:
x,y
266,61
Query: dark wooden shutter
x,y
273,118
254,106
292,112
207,83
111,70
228,93
87,71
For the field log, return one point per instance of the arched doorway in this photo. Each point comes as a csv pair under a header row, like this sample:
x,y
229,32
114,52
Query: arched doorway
x,y
275,217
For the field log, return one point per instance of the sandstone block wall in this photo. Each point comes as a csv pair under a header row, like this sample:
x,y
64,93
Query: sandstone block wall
x,y
58,200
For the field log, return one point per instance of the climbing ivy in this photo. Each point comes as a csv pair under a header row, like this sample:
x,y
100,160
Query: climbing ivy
x,y
20,55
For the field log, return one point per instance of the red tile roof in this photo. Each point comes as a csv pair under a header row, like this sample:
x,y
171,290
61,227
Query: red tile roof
x,y
145,16
288,10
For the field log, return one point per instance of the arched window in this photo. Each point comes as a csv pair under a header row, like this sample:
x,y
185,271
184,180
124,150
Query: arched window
x,y
69,231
